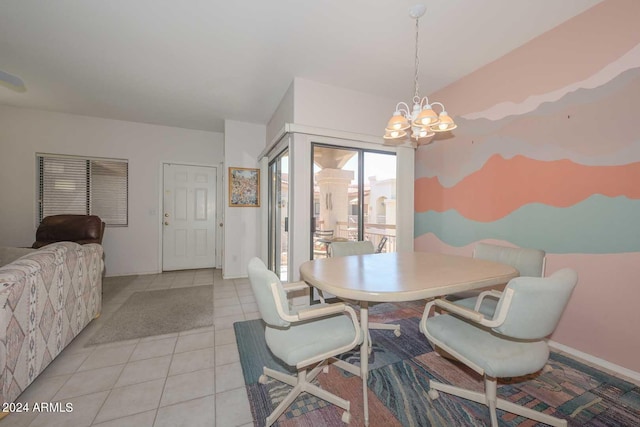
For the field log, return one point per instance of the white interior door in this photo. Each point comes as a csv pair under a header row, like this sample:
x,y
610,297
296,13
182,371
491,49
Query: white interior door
x,y
189,217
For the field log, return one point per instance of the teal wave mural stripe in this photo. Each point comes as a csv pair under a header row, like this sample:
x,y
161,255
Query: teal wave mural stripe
x,y
597,225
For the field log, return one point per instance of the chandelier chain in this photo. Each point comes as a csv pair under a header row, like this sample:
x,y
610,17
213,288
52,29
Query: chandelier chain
x,y
416,85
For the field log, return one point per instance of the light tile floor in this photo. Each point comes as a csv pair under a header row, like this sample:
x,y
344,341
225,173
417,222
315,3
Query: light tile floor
x,y
191,378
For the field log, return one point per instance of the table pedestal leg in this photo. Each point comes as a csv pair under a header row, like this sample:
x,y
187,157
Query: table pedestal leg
x,y
364,357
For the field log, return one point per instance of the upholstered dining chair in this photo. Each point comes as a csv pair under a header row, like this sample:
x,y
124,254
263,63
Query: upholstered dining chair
x,y
529,262
339,249
512,344
303,337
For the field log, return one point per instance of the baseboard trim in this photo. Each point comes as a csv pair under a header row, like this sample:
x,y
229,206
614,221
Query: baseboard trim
x,y
234,276
617,370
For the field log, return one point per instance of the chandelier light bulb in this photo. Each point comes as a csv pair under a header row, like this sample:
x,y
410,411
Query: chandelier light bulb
x,y
427,117
398,122
394,134
446,123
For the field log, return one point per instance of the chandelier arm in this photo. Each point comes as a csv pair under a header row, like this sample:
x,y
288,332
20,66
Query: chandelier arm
x,y
404,110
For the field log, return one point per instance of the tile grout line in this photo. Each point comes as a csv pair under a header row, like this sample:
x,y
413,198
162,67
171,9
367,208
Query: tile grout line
x,y
155,417
113,388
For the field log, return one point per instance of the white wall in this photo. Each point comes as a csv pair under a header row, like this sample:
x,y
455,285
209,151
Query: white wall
x,y
282,115
243,142
330,107
361,116
128,250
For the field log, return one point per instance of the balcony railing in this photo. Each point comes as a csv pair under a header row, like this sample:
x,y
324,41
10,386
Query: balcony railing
x,y
372,232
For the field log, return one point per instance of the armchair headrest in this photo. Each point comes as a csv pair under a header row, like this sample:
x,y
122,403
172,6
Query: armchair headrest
x,y
529,262
537,304
339,249
81,229
262,279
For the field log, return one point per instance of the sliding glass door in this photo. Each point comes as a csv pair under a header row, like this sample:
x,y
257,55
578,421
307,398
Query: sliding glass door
x,y
379,195
279,215
335,187
354,198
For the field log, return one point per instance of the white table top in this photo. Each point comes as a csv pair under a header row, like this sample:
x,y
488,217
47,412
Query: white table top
x,y
402,276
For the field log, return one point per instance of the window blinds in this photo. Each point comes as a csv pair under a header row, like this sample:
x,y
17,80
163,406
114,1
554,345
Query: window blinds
x,y
76,185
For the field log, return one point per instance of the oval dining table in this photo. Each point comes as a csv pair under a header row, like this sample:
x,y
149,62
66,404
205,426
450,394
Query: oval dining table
x,y
396,277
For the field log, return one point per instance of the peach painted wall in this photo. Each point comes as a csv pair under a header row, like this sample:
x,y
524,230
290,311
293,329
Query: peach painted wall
x,y
547,155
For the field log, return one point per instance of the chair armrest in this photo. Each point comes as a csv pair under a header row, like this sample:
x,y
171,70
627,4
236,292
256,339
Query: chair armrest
x,y
464,312
330,310
324,311
491,293
295,286
472,315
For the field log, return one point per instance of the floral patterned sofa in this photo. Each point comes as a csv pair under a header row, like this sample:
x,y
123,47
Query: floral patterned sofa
x,y
46,298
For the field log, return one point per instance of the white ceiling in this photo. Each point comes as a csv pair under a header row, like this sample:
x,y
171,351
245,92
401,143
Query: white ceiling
x,y
194,63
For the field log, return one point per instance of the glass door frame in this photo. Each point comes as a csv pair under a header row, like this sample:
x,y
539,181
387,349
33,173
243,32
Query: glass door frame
x,y
299,139
360,179
275,213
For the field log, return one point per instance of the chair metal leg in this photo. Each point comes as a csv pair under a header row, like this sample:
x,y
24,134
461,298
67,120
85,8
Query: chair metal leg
x,y
302,383
286,402
393,327
485,398
280,376
325,395
381,326
490,389
531,414
457,391
352,369
320,367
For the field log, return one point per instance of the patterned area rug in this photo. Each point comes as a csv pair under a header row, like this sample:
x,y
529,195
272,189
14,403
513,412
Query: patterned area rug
x,y
400,369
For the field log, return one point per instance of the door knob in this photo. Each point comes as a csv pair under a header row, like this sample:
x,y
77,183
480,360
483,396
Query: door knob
x,y
166,223
166,215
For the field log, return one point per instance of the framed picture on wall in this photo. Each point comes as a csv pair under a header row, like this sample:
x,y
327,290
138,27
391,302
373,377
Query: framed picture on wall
x,y
244,187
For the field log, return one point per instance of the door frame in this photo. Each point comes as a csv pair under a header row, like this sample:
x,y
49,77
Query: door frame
x,y
219,219
300,186
271,238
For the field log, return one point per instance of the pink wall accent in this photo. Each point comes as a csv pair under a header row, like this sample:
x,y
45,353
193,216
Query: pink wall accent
x,y
566,54
602,317
561,183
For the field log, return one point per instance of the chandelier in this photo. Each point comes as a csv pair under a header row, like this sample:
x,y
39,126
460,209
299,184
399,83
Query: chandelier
x,y
421,122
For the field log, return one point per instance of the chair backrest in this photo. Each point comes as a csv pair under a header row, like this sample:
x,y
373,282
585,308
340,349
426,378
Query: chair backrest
x,y
352,248
326,234
529,262
537,304
261,279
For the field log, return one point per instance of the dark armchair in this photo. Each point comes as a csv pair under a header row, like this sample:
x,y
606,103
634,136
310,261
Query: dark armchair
x,y
81,229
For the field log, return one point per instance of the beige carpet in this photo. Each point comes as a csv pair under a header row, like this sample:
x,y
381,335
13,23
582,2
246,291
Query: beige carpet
x,y
158,312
